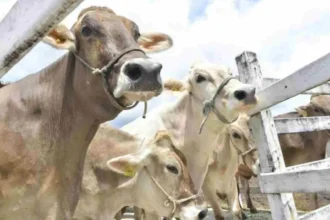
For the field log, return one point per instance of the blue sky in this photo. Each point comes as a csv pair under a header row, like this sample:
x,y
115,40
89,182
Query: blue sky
x,y
285,35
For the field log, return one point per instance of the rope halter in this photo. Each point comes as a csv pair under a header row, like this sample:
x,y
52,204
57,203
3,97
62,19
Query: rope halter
x,y
239,152
105,71
170,199
209,105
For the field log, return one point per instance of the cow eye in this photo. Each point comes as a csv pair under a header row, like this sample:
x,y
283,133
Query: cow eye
x,y
137,35
237,136
86,31
200,79
316,110
172,169
136,32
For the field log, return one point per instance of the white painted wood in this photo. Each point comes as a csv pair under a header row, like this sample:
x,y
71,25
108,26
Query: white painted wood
x,y
263,130
320,164
310,76
327,152
311,180
318,214
25,24
323,89
294,125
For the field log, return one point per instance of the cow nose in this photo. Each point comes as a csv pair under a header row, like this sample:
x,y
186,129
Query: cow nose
x,y
246,94
202,214
240,94
137,68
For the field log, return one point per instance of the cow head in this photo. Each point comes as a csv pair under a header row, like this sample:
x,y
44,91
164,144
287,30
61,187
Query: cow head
x,y
158,170
97,37
318,106
242,141
206,78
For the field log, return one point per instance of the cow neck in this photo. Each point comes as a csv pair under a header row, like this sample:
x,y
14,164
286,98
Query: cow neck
x,y
185,117
227,154
113,202
71,126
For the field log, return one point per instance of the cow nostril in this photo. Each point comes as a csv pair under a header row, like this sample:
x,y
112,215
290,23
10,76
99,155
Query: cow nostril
x,y
133,71
202,214
240,94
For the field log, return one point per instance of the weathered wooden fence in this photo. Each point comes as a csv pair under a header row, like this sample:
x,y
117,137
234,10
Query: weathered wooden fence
x,y
275,179
25,24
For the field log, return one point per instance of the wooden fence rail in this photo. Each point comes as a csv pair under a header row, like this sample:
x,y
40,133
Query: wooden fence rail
x,y
308,77
323,89
275,179
25,24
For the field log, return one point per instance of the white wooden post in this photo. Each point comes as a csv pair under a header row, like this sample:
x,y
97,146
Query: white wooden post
x,y
264,132
25,24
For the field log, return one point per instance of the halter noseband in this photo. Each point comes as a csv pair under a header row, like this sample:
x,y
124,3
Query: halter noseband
x,y
174,201
105,71
209,105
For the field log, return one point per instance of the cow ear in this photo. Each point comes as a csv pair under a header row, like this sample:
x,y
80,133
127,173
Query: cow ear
x,y
61,38
155,42
175,85
302,111
128,165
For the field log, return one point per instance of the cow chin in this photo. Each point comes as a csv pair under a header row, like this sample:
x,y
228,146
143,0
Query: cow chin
x,y
132,94
241,106
140,96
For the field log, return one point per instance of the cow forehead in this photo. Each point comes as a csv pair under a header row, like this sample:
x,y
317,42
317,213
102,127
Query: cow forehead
x,y
102,15
210,69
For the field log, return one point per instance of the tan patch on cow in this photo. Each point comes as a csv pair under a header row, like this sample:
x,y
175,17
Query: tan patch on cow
x,y
18,164
174,85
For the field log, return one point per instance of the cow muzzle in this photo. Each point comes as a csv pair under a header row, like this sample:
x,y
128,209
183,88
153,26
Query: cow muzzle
x,y
193,213
246,94
139,80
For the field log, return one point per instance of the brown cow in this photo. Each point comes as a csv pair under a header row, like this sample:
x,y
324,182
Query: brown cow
x,y
120,170
304,147
48,119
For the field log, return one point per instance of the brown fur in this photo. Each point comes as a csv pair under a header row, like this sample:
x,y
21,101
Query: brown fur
x,y
48,119
105,147
174,85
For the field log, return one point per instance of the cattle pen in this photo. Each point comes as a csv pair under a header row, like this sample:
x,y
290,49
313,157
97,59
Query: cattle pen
x,y
277,181
20,34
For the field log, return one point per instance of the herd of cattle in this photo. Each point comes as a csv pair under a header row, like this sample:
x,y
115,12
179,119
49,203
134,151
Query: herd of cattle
x,y
58,162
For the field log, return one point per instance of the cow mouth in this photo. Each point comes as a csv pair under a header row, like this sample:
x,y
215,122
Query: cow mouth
x,y
140,96
247,105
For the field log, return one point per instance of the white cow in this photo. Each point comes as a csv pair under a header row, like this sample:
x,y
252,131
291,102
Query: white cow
x,y
210,89
236,148
123,170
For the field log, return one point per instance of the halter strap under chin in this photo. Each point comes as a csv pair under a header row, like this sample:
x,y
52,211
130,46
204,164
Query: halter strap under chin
x,y
105,71
170,199
209,105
